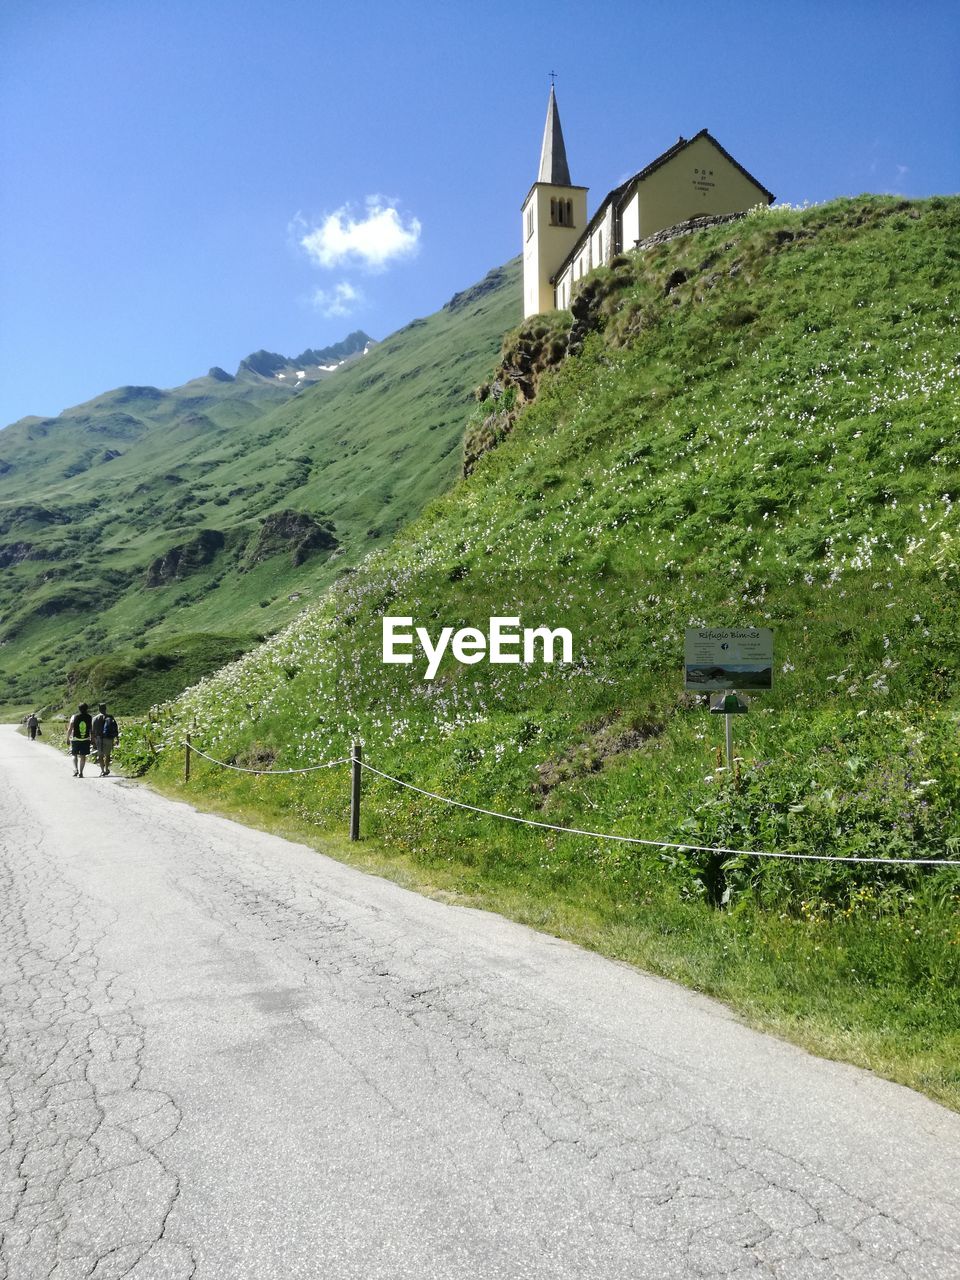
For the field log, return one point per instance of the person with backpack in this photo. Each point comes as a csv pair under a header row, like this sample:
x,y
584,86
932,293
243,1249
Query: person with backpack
x,y
33,726
106,735
79,735
95,732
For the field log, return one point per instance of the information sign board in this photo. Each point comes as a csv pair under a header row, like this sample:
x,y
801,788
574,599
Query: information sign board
x,y
718,658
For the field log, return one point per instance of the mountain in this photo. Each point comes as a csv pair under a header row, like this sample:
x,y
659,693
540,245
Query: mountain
x,y
310,366
37,450
145,523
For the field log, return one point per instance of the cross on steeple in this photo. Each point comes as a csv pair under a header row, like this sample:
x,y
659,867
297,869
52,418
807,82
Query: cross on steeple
x,y
553,78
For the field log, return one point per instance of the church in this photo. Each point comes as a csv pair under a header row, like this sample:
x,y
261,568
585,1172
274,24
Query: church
x,y
693,178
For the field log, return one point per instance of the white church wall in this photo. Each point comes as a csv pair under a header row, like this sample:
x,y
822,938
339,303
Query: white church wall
x,y
609,233
596,250
630,221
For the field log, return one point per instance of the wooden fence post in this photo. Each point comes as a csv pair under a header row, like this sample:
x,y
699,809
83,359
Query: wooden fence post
x,y
355,793
186,761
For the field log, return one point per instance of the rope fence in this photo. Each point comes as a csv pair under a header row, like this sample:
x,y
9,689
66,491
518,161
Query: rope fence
x,y
266,773
358,764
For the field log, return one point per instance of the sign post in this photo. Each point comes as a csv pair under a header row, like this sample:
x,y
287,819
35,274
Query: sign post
x,y
728,659
728,704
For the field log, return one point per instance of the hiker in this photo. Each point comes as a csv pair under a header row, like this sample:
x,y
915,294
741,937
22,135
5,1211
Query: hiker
x,y
106,735
33,726
95,728
78,735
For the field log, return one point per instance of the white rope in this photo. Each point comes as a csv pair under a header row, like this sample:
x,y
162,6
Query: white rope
x,y
579,831
658,844
311,768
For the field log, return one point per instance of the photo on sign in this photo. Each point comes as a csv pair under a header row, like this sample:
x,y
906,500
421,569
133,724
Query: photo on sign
x,y
732,676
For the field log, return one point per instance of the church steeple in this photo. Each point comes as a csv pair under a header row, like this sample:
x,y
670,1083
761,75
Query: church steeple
x,y
553,154
554,216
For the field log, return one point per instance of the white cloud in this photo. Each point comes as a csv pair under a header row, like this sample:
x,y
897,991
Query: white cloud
x,y
372,241
338,301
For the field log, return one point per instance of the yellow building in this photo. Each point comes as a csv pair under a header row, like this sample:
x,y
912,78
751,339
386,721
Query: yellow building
x,y
693,178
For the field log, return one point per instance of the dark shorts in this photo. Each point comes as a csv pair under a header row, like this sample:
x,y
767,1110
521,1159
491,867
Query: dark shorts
x,y
79,748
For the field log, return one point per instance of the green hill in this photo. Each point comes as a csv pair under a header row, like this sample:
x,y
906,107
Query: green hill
x,y
754,425
149,536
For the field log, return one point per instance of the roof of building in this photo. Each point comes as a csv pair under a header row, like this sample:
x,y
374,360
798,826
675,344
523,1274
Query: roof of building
x,y
553,154
619,194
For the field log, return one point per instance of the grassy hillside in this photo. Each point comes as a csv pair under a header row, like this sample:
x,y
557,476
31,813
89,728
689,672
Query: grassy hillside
x,y
221,509
760,428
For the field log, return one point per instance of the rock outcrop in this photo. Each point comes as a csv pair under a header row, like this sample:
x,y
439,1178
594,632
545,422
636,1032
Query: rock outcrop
x,y
294,532
186,558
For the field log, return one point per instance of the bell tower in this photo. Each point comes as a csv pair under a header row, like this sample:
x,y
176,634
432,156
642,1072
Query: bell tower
x,y
554,216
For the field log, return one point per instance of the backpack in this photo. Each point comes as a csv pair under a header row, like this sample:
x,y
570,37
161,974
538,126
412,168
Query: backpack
x,y
81,728
109,728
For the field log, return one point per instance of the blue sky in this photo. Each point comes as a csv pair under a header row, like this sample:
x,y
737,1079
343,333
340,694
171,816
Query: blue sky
x,y
186,181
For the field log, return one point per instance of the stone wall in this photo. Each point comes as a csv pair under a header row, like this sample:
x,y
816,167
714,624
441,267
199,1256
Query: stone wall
x,y
685,228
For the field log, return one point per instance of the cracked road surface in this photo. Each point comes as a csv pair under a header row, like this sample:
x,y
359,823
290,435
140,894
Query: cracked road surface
x,y
225,1056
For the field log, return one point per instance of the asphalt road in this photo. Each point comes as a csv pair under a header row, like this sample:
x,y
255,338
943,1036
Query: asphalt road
x,y
225,1056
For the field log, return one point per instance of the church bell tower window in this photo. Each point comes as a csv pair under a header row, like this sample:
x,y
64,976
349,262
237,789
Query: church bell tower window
x,y
561,212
